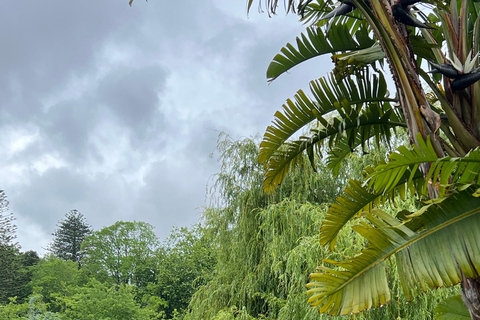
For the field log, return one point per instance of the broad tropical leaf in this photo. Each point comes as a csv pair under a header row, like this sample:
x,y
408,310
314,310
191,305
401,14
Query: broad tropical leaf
x,y
328,94
315,43
346,97
356,199
443,173
452,309
430,257
370,123
349,62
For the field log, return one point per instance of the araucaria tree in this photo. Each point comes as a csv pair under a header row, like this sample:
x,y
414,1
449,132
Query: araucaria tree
x,y
350,109
7,228
10,264
69,236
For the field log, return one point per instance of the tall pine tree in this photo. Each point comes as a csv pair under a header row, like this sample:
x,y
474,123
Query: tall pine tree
x,y
7,228
69,236
10,264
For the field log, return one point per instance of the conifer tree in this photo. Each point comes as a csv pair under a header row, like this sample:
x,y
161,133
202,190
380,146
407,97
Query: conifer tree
x,y
7,228
69,236
10,284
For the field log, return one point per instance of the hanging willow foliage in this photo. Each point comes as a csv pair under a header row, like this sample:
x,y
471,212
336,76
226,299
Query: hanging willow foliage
x,y
268,243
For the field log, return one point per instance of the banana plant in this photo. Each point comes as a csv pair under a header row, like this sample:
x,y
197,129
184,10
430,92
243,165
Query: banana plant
x,y
350,109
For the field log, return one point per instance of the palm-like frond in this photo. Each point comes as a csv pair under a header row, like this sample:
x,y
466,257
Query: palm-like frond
x,y
355,199
371,122
328,94
443,172
347,98
316,42
447,242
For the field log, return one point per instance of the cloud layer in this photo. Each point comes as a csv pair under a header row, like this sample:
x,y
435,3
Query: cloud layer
x,y
114,110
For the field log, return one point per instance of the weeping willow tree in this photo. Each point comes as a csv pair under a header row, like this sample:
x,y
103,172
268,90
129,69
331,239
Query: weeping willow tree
x,y
267,243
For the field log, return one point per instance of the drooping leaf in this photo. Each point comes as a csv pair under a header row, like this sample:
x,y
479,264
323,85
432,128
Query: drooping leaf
x,y
271,5
452,308
369,123
345,97
355,199
443,172
428,258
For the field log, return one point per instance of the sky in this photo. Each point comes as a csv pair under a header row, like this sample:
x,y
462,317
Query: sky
x,y
115,111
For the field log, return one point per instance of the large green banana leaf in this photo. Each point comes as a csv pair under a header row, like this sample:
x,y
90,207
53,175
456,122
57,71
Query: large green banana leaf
x,y
341,100
398,175
355,199
443,173
452,309
446,242
369,123
316,42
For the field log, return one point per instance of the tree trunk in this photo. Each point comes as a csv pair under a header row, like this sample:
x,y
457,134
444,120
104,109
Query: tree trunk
x,y
471,296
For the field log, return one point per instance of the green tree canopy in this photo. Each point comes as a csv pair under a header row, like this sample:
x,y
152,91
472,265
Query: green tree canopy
x,y
11,277
7,228
117,254
96,301
53,277
185,262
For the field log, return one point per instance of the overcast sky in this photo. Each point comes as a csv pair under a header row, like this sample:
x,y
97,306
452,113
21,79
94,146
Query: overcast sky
x,y
114,110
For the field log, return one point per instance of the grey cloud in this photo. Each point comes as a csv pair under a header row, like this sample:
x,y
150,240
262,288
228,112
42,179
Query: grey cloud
x,y
156,82
174,191
45,43
103,199
48,197
132,95
128,96
66,128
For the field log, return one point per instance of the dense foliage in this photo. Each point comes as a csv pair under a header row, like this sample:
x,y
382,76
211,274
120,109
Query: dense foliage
x,y
125,273
116,254
268,243
373,246
7,228
350,108
249,258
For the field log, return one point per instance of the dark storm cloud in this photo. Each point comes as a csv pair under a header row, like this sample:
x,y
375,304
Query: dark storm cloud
x,y
127,96
66,128
133,95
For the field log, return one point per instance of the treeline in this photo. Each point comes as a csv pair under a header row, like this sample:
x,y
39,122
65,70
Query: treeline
x,y
249,258
119,272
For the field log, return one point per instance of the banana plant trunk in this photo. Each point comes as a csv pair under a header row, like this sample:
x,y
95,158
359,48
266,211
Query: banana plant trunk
x,y
393,38
471,296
